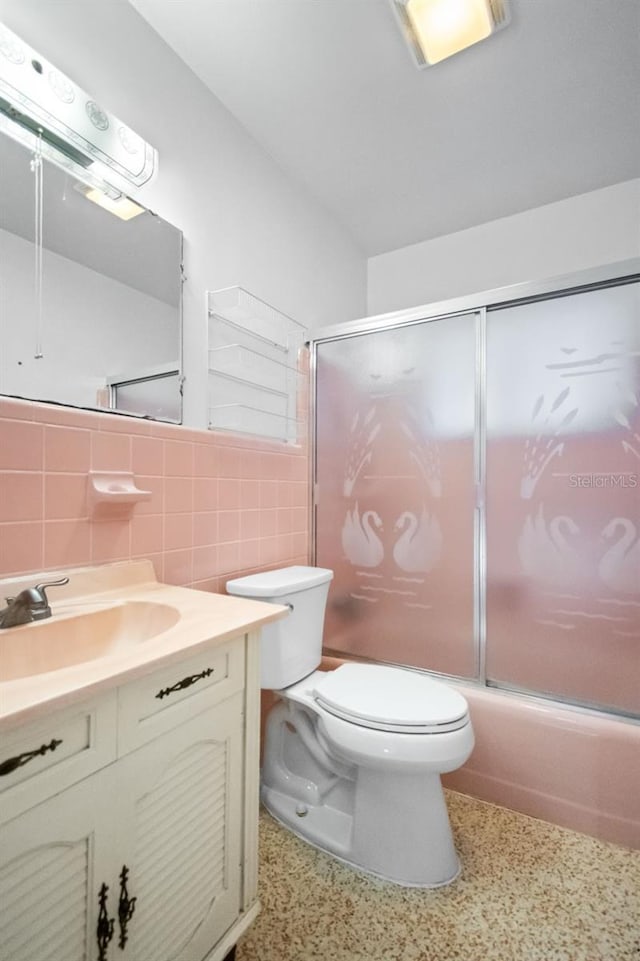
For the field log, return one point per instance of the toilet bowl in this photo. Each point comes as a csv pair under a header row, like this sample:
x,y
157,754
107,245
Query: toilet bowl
x,y
353,757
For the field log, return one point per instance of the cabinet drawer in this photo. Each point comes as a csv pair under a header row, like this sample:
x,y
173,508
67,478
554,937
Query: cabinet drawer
x,y
41,759
154,704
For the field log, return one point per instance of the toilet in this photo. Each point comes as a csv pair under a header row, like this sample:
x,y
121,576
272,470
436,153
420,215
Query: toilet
x,y
353,757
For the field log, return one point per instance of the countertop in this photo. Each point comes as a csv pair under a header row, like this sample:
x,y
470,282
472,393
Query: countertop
x,y
205,619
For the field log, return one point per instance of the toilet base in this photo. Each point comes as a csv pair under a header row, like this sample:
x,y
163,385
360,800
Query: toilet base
x,y
388,822
329,831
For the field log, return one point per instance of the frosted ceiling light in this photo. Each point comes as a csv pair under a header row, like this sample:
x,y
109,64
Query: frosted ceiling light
x,y
436,29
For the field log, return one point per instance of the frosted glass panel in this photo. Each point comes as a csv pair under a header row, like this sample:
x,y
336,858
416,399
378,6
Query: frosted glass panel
x,y
395,504
563,496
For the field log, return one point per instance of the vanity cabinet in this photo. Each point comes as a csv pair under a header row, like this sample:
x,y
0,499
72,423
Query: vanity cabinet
x,y
49,881
151,855
180,837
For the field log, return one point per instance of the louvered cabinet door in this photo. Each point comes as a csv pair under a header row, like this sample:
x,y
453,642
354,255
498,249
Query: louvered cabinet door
x,y
53,862
185,789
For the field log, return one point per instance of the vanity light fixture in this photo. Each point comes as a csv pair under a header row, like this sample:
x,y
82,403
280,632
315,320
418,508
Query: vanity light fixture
x,y
37,100
120,205
436,29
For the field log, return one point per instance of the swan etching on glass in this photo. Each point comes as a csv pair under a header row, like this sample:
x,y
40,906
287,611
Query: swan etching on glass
x,y
360,542
619,567
544,550
363,434
419,545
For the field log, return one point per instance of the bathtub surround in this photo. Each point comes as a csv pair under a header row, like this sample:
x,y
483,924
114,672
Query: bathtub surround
x,y
578,769
449,510
529,891
220,505
478,478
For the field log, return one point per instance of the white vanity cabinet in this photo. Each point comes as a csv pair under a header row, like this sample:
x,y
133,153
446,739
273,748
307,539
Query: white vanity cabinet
x,y
181,828
144,848
51,859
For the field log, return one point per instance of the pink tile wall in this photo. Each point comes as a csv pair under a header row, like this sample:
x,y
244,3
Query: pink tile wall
x,y
220,505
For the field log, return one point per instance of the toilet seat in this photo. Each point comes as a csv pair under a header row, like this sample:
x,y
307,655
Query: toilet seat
x,y
390,699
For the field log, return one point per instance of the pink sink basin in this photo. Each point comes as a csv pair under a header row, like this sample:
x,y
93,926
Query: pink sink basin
x,y
59,642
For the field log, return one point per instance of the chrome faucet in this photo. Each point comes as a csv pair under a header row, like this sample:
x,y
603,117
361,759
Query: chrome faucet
x,y
29,605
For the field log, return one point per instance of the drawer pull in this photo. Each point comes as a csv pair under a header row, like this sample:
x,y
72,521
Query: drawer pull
x,y
13,763
184,683
104,930
126,907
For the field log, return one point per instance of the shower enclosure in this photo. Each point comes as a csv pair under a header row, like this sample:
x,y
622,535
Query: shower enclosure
x,y
477,489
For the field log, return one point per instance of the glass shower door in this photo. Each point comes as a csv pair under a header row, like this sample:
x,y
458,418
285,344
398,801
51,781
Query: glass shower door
x,y
563,497
395,493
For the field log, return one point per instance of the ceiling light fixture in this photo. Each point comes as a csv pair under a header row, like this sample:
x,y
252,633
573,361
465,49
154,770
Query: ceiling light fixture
x,y
436,29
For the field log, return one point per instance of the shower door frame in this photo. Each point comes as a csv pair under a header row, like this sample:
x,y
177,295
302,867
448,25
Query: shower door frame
x,y
609,275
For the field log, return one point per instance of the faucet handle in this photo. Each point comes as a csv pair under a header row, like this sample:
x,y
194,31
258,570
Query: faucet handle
x,y
38,594
58,583
40,589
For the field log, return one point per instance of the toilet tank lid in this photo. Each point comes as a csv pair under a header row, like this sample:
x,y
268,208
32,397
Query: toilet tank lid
x,y
286,580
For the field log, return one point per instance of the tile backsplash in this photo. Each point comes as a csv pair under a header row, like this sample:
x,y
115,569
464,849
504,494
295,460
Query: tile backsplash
x,y
221,505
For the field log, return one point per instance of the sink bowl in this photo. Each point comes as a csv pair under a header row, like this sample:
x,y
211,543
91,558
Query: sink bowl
x,y
59,642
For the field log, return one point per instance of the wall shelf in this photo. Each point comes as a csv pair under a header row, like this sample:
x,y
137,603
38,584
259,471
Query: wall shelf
x,y
244,364
253,366
258,338
242,419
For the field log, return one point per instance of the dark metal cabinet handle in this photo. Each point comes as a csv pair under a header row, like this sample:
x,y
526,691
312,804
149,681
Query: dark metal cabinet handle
x,y
104,930
184,683
13,763
126,907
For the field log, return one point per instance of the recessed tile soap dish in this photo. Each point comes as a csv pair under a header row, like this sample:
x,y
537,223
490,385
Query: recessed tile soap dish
x,y
113,494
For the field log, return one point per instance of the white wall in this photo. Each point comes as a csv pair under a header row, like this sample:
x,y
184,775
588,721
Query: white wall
x,y
585,231
244,221
93,328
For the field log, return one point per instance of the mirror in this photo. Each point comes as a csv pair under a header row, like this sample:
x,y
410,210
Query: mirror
x,y
109,324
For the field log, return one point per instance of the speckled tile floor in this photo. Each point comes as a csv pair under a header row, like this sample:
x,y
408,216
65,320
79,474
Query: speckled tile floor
x,y
529,891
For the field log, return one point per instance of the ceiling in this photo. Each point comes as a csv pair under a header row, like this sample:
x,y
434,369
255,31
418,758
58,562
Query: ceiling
x,y
546,109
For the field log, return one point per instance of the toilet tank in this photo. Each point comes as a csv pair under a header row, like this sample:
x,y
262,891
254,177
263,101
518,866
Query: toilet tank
x,y
291,647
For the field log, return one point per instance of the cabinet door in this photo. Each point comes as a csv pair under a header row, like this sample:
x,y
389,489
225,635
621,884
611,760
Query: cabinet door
x,y
53,862
181,832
